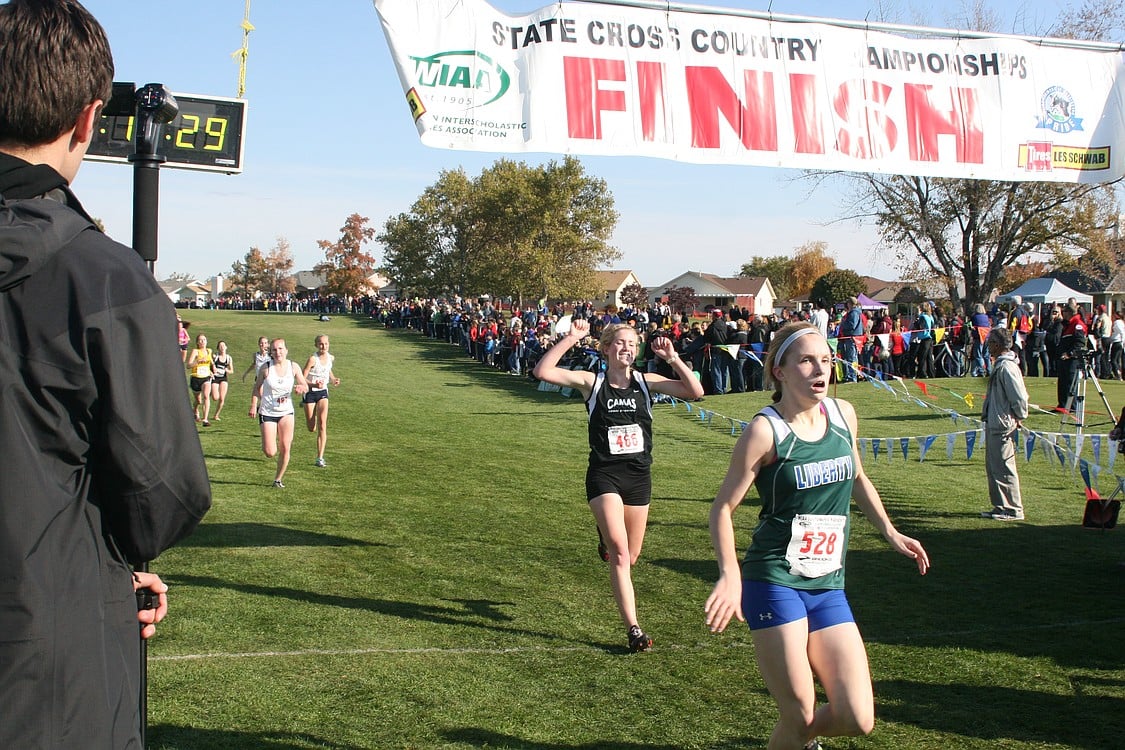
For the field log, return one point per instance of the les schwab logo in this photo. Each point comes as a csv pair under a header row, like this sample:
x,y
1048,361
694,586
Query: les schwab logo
x,y
463,73
1059,115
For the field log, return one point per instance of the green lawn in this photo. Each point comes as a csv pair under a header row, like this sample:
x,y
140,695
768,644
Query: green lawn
x,y
438,585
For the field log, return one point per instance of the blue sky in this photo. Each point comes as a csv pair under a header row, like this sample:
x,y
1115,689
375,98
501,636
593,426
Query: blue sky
x,y
328,134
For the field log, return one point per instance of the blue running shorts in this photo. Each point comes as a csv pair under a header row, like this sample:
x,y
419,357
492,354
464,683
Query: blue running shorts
x,y
767,605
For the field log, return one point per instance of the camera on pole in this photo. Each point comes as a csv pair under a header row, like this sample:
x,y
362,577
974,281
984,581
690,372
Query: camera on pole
x,y
155,108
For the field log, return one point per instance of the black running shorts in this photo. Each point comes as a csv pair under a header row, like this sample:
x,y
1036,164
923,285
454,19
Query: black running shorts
x,y
633,483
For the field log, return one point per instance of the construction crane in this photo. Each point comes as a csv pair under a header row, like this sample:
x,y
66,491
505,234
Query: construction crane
x,y
243,53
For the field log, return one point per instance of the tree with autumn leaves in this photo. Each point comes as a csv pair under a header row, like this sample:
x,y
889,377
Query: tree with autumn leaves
x,y
346,266
268,273
792,276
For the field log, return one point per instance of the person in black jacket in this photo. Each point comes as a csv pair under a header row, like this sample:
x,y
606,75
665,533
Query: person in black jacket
x,y
102,464
717,335
1053,339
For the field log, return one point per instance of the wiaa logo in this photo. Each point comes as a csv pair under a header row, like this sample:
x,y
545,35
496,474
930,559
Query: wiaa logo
x,y
464,70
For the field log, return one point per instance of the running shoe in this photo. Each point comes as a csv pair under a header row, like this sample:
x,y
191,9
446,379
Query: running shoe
x,y
999,515
321,463
206,423
603,553
814,745
277,483
638,640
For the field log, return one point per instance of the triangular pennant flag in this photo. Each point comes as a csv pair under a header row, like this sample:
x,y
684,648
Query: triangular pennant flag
x,y
924,388
863,449
884,340
906,336
1097,470
1084,470
924,446
949,445
1081,440
875,443
1060,454
939,334
968,399
1066,439
1112,456
904,444
1096,444
1029,446
687,406
970,442
731,349
1016,438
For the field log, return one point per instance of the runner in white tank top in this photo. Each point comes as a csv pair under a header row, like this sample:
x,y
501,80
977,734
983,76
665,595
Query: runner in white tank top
x,y
272,403
318,371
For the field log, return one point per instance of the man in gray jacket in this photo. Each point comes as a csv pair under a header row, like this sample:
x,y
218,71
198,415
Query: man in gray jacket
x,y
102,466
1005,408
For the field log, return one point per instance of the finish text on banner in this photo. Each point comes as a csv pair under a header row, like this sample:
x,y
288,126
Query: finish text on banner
x,y
707,87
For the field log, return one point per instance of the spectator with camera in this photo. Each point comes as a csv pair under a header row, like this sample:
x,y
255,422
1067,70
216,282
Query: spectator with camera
x,y
102,464
1072,355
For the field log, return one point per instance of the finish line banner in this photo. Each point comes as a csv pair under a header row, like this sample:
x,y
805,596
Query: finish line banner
x,y
712,88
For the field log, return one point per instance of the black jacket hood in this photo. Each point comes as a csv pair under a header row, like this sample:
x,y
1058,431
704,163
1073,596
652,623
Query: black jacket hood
x,y
38,217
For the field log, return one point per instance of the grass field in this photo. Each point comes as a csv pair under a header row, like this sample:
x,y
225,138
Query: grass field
x,y
437,586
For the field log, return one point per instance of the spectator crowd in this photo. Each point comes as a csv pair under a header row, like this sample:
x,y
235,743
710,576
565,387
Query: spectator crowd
x,y
726,347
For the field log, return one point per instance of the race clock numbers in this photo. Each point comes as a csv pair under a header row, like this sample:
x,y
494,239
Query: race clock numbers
x,y
206,135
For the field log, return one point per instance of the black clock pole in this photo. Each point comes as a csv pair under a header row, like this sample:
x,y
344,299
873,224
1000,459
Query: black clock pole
x,y
146,206
156,107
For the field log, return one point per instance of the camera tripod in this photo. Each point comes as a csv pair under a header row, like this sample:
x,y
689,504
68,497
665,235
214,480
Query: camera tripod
x,y
1076,398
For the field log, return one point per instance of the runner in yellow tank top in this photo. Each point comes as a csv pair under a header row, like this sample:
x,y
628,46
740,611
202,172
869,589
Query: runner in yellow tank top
x,y
199,365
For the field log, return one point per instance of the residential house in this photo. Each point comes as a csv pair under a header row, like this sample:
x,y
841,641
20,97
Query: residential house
x,y
306,282
756,293
609,285
188,294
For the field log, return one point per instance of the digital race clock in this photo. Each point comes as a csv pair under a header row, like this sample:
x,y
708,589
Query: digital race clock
x,y
206,135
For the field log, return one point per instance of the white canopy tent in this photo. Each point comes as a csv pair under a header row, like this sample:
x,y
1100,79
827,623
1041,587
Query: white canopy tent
x,y
1045,290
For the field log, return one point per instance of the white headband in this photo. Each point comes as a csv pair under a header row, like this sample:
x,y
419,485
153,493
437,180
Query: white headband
x,y
789,341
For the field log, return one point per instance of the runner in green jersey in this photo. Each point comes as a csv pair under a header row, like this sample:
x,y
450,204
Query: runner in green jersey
x,y
801,454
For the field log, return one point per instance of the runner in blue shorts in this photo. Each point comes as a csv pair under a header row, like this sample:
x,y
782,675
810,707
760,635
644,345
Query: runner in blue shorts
x,y
800,453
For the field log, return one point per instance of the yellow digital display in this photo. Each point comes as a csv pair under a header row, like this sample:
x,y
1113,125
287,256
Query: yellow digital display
x,y
206,135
